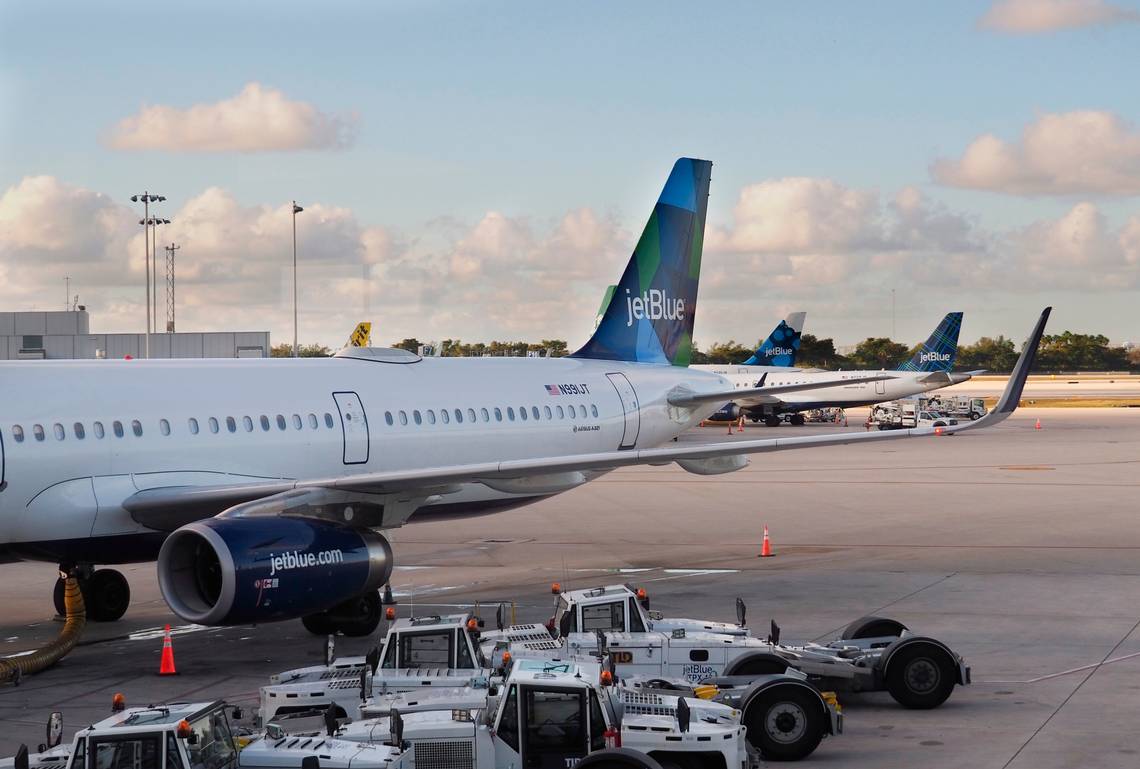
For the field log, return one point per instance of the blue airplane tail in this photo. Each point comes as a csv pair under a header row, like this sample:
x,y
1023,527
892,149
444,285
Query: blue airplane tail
x,y
939,351
650,316
782,345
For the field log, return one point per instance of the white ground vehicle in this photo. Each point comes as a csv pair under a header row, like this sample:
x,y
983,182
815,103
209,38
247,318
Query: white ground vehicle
x,y
193,735
873,653
958,406
554,713
894,415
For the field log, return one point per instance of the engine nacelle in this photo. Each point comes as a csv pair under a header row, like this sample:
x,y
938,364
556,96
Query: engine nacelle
x,y
729,412
235,571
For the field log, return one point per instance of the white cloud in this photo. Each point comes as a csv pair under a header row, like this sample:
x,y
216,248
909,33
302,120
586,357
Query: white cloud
x,y
1078,251
1030,17
1086,152
258,119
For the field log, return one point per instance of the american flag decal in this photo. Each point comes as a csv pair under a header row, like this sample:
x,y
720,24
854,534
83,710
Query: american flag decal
x,y
552,389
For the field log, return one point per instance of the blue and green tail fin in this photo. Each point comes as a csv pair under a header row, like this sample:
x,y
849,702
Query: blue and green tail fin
x,y
649,318
939,351
782,345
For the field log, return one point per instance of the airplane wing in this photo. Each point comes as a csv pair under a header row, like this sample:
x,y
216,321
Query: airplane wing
x,y
755,396
386,499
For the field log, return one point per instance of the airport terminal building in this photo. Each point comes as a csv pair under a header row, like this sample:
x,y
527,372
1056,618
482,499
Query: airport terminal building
x,y
67,335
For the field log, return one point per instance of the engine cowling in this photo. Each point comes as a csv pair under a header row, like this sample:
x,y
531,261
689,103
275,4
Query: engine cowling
x,y
235,571
729,412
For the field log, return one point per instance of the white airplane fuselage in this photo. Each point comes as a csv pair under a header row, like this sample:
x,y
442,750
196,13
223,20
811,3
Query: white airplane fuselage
x,y
67,471
903,384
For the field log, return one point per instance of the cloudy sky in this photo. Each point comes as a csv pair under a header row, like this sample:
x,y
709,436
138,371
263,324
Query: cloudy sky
x,y
481,170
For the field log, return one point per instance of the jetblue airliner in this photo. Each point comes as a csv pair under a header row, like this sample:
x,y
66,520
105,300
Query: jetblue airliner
x,y
262,487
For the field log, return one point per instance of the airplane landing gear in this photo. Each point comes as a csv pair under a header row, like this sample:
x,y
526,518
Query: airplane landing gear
x,y
772,420
357,617
105,592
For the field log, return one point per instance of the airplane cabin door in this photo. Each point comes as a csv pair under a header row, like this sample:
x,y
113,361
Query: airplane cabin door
x,y
354,425
881,387
629,406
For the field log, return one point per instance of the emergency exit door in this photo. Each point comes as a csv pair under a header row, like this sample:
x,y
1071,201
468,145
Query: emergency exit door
x,y
629,407
354,427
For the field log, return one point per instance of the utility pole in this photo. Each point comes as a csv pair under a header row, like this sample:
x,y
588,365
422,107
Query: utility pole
x,y
66,293
170,287
296,210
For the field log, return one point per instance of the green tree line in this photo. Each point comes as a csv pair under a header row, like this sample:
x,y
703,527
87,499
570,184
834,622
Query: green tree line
x,y
1059,352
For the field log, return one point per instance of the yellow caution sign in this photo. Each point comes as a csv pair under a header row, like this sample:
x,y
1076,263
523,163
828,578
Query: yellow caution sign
x,y
361,336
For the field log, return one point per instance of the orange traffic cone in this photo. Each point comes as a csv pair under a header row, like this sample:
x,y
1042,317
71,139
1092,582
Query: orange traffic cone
x,y
166,668
1038,425
740,427
766,546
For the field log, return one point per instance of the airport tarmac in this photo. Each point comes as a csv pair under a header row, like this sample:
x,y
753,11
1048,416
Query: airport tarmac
x,y
1048,386
1018,547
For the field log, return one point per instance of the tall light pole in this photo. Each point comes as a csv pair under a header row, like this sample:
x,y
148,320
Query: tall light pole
x,y
147,199
170,287
296,210
150,224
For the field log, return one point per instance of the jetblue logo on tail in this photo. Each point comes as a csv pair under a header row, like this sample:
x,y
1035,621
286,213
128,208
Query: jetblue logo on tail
x,y
939,351
773,351
934,357
654,304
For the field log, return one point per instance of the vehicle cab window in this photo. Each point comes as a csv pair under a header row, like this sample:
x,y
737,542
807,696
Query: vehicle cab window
x,y
214,747
463,657
127,752
555,725
79,756
636,625
426,650
603,616
508,727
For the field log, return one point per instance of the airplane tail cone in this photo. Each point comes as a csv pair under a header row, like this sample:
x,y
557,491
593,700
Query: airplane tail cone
x,y
1038,425
166,667
766,546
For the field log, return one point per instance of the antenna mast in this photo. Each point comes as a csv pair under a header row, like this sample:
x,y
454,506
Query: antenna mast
x,y
170,287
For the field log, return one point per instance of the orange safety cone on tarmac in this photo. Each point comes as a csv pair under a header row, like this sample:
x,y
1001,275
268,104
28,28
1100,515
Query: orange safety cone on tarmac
x,y
166,667
1038,425
766,546
740,427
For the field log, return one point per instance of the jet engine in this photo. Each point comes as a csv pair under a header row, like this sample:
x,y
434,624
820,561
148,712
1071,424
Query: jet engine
x,y
235,571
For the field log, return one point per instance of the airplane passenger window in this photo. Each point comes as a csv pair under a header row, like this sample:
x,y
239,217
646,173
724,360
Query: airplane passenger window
x,y
57,428
38,431
193,425
264,422
136,428
328,420
548,413
570,412
594,409
403,417
297,423
522,413
486,416
446,417
388,418
498,414
510,413
561,413
280,422
313,421
581,411
18,433
247,423
80,433
97,428
470,415
213,422
164,427
117,426
417,417
231,424
431,416
459,415
534,412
